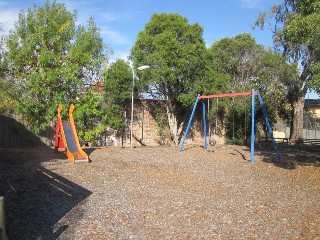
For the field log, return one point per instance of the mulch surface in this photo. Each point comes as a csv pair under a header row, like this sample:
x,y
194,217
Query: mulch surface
x,y
161,193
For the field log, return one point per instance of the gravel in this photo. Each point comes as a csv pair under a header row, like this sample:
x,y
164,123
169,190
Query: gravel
x,y
161,193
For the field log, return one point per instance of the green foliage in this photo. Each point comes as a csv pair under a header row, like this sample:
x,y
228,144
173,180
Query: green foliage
x,y
2,52
7,99
50,59
240,57
176,52
118,82
214,82
238,119
302,36
250,66
157,110
277,82
315,81
88,115
296,26
7,104
177,56
163,130
297,34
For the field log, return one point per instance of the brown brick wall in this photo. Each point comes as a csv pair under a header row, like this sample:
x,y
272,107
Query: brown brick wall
x,y
145,127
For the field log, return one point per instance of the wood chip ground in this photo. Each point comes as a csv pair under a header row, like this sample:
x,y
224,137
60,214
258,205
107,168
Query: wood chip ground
x,y
161,193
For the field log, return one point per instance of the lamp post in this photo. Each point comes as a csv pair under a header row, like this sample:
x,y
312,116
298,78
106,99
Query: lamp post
x,y
141,68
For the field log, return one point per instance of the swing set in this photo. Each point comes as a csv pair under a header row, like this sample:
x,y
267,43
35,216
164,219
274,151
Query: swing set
x,y
212,140
253,93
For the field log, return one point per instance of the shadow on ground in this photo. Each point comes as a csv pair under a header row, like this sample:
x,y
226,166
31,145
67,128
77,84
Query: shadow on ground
x,y
89,150
291,158
36,198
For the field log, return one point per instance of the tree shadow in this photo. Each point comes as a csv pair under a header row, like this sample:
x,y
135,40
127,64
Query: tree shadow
x,y
36,198
291,158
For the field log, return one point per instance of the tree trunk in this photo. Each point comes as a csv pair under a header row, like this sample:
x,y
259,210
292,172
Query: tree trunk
x,y
296,128
173,123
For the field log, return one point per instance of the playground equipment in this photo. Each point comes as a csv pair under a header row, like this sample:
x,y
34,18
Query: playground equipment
x,y
253,93
66,137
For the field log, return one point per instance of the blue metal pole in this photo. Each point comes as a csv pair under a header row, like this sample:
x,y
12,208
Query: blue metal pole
x,y
252,126
190,121
269,126
204,125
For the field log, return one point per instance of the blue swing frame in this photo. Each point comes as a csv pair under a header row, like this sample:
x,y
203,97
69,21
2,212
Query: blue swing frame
x,y
253,93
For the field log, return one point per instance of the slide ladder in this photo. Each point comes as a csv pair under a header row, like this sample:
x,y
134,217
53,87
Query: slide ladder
x,y
66,137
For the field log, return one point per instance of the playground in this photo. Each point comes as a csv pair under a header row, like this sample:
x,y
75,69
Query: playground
x,y
161,193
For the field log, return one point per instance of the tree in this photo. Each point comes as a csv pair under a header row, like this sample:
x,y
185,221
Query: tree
x,y
296,34
250,66
2,68
176,53
50,60
118,83
88,115
6,102
239,57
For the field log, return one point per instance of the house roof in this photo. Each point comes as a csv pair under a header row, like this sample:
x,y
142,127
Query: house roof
x,y
312,102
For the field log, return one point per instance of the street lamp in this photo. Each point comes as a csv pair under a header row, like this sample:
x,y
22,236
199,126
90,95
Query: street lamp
x,y
141,68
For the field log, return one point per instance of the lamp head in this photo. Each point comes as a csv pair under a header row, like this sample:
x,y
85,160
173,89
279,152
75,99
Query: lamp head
x,y
143,67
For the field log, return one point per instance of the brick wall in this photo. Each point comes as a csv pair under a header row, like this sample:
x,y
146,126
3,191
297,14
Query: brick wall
x,y
146,129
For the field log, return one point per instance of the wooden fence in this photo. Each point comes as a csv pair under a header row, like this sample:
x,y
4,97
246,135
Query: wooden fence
x,y
15,135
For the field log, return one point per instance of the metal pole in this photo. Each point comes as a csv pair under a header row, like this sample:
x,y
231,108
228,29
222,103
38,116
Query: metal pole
x,y
133,76
269,126
131,123
204,125
245,120
209,127
216,128
142,127
190,121
126,128
252,127
233,119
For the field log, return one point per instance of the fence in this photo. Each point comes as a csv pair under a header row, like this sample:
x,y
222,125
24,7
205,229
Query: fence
x,y
15,135
311,126
311,134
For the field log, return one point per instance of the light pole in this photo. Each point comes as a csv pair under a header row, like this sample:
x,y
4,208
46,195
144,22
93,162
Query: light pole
x,y
131,123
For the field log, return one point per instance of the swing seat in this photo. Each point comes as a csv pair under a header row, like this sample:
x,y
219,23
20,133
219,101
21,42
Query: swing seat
x,y
212,141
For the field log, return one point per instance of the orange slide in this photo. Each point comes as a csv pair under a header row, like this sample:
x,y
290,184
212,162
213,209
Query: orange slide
x,y
67,138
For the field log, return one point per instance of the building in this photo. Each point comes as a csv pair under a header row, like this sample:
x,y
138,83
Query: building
x,y
313,105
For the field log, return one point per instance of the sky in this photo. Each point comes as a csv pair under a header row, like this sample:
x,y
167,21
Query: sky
x,y
120,21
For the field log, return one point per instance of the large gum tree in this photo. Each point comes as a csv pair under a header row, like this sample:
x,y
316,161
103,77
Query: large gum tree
x,y
176,53
296,29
